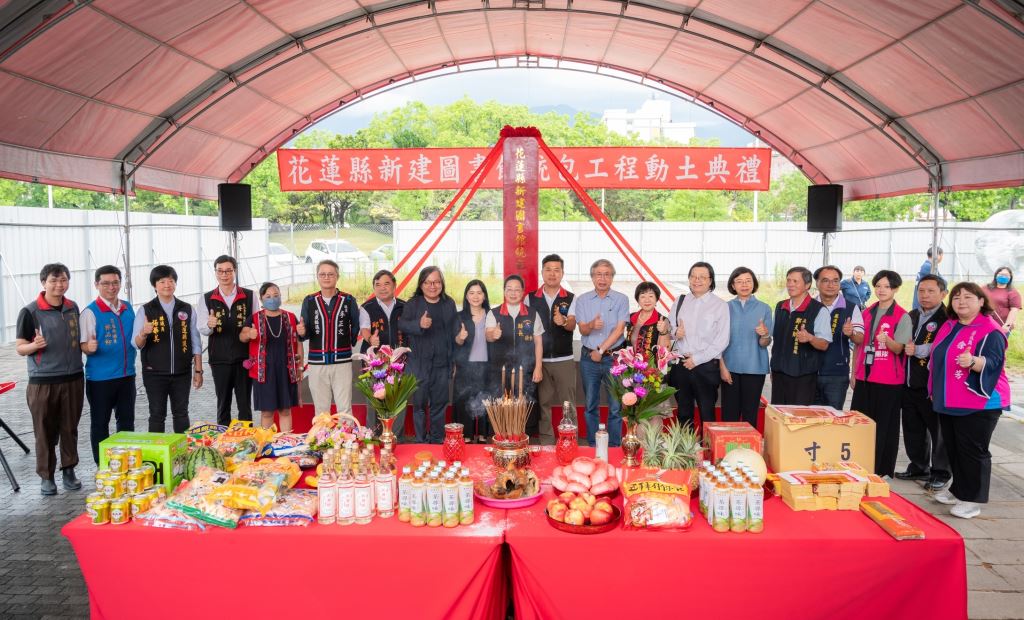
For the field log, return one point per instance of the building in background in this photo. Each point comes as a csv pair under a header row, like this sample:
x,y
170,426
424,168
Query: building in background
x,y
653,121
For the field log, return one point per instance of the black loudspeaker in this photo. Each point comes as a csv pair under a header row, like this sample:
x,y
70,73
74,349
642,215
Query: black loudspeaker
x,y
235,206
824,208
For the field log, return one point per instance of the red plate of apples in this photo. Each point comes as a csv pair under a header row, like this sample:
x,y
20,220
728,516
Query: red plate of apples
x,y
582,513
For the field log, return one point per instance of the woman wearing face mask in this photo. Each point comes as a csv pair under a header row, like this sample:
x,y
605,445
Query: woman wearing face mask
x,y
1004,298
473,380
275,358
969,391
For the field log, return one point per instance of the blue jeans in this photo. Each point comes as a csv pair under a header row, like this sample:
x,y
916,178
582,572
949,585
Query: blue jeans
x,y
832,390
593,383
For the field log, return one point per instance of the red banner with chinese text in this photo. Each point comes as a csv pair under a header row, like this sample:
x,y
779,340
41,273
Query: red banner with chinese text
x,y
616,167
519,160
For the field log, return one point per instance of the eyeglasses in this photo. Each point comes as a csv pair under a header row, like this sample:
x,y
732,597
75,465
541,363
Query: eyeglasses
x,y
106,284
225,272
602,274
327,275
431,283
828,281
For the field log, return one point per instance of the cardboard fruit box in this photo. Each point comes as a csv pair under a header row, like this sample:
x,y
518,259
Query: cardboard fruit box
x,y
798,437
722,437
166,451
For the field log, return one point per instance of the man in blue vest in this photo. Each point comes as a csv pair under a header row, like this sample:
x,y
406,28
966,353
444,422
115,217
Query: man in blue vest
x,y
48,336
110,363
221,315
847,325
797,351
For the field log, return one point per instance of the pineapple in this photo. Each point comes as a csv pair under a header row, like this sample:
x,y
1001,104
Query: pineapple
x,y
652,443
682,447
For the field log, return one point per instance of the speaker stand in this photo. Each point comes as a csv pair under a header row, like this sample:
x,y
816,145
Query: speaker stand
x,y
824,249
234,244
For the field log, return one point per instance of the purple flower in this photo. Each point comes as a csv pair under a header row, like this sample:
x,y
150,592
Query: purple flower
x,y
391,379
398,367
374,363
626,383
640,391
618,369
379,374
378,386
640,364
638,378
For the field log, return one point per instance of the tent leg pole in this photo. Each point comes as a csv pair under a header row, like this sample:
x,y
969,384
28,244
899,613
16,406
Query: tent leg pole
x,y
127,238
935,218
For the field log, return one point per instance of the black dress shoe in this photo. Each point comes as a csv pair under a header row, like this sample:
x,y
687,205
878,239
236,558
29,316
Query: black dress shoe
x,y
935,484
71,482
910,475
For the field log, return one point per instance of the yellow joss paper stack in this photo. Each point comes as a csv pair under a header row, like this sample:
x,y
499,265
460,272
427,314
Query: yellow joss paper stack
x,y
876,487
823,490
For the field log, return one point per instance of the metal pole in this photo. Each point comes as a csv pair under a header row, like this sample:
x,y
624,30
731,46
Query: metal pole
x,y
292,253
756,194
824,249
234,245
127,237
49,196
937,180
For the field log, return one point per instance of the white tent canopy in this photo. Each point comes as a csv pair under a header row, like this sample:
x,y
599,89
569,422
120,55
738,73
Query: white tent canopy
x,y
885,97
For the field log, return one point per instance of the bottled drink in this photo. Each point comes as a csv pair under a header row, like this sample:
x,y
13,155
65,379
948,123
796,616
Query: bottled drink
x,y
601,443
364,497
435,502
722,505
346,495
417,501
755,508
450,499
404,491
738,506
465,497
385,492
327,494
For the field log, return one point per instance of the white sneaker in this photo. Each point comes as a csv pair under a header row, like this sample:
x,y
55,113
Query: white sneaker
x,y
945,497
965,510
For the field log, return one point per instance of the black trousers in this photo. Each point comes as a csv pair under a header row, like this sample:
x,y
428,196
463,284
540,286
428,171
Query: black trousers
x,y
161,387
967,438
789,390
742,399
698,386
922,438
473,383
105,397
881,403
228,378
431,399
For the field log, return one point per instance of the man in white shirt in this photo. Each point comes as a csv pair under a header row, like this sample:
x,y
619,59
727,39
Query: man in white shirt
x,y
699,323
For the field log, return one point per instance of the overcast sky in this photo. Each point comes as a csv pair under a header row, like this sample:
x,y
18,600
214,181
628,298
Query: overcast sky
x,y
536,88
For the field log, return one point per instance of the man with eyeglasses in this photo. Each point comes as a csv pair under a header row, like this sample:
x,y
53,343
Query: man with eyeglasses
x,y
847,325
110,358
48,337
601,316
699,325
222,313
329,320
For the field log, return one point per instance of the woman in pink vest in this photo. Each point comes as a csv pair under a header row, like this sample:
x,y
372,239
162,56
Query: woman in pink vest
x,y
969,391
275,359
880,368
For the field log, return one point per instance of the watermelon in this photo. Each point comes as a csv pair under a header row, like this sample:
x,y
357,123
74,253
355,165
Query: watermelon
x,y
203,456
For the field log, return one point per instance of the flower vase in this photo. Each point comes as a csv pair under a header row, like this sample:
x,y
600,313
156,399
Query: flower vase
x,y
630,446
387,438
454,443
567,443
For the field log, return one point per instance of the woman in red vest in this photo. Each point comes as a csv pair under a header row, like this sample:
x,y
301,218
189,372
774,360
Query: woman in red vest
x,y
880,368
275,358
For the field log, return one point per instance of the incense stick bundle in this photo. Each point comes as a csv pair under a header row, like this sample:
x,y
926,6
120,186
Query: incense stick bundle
x,y
508,416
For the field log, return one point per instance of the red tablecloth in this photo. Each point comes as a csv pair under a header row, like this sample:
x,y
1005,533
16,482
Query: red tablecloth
x,y
386,569
834,564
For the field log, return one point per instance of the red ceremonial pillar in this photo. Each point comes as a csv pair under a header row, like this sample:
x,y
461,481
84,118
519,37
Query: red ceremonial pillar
x,y
519,180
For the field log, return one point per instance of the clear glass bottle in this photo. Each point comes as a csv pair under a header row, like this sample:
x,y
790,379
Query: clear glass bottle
x,y
465,497
435,505
364,497
450,500
384,487
346,494
601,443
327,495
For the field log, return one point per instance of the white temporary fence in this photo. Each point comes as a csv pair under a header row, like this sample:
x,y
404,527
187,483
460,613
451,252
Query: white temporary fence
x,y
669,248
84,240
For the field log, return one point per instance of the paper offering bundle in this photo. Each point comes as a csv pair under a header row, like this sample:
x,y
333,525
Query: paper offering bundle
x,y
891,521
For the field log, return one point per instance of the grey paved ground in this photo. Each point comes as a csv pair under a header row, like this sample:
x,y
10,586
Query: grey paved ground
x,y
39,576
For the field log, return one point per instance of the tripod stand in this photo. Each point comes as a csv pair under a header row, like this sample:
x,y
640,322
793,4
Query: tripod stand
x,y
6,387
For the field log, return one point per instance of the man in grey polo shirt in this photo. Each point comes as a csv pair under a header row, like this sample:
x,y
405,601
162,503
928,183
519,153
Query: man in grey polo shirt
x,y
601,315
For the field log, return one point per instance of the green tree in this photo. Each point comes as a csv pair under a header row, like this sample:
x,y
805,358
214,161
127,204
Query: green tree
x,y
697,206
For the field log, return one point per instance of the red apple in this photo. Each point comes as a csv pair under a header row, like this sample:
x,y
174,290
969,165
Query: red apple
x,y
600,517
603,505
567,497
557,510
575,517
589,497
579,504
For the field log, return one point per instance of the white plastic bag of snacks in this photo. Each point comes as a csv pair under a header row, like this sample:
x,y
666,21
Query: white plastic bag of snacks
x,y
298,507
162,515
656,499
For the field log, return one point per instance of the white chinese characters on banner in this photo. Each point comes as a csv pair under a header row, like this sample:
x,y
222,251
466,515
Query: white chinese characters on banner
x,y
359,171
748,168
390,169
299,173
419,169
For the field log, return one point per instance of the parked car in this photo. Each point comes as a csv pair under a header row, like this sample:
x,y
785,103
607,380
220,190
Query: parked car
x,y
337,250
384,252
280,255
